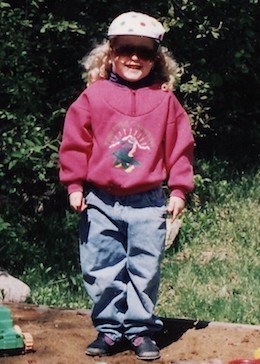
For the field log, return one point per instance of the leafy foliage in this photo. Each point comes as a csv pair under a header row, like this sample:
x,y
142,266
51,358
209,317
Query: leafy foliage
x,y
41,48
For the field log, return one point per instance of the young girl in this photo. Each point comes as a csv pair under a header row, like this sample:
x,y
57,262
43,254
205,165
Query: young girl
x,y
123,136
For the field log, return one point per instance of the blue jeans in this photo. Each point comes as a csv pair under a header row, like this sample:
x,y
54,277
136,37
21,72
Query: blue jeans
x,y
122,242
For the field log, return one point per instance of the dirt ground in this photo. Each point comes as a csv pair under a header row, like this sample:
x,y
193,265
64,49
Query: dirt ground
x,y
60,337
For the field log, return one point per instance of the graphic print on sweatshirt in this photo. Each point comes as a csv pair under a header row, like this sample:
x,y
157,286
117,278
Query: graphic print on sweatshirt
x,y
126,143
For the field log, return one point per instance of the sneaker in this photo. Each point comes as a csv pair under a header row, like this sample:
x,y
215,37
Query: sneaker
x,y
102,346
145,348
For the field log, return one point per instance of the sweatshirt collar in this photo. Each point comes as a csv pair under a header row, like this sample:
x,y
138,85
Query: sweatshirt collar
x,y
144,82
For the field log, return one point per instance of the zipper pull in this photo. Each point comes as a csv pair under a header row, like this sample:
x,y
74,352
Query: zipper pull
x,y
133,105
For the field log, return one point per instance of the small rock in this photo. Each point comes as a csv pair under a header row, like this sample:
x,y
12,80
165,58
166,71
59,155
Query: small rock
x,y
12,289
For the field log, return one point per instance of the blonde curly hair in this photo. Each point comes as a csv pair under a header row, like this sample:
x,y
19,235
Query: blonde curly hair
x,y
98,66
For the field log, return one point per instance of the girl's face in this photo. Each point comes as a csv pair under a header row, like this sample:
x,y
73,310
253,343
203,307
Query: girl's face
x,y
132,56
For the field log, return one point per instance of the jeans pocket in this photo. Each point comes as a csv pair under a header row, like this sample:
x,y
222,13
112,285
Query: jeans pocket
x,y
90,198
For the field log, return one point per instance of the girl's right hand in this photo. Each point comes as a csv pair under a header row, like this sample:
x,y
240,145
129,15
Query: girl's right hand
x,y
77,201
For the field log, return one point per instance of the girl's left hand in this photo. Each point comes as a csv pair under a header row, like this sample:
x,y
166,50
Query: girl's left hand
x,y
175,207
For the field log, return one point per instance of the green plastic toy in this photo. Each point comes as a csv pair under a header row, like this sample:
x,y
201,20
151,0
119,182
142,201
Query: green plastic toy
x,y
12,339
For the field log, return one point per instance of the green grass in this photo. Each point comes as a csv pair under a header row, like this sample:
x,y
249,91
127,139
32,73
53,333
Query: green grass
x,y
213,272
64,290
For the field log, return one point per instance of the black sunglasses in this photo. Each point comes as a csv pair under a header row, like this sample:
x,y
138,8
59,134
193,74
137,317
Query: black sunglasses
x,y
145,53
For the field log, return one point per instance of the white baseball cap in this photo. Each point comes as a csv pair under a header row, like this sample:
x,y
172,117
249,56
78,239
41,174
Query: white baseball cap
x,y
133,23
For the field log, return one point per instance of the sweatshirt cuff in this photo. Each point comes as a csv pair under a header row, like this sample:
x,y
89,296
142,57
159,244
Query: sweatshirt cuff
x,y
75,187
179,193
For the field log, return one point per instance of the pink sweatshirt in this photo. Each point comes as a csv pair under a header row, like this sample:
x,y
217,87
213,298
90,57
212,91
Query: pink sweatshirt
x,y
126,141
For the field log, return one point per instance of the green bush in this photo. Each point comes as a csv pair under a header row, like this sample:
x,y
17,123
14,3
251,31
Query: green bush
x,y
42,45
